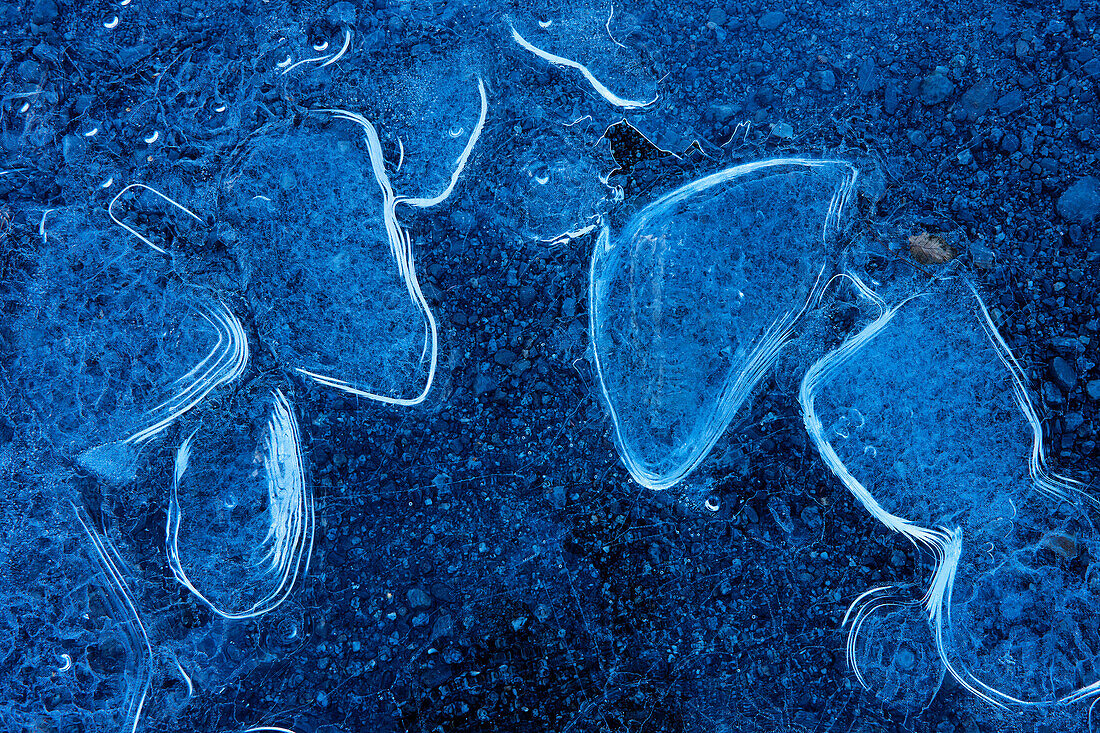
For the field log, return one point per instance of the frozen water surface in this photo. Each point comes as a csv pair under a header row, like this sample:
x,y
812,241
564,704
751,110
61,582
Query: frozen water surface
x,y
115,345
313,232
291,287
240,515
585,43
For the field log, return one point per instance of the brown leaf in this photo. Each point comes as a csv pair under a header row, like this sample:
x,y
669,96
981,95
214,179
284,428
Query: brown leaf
x,y
1062,545
930,249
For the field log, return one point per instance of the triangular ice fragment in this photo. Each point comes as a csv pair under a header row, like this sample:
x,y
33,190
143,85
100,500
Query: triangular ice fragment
x,y
693,299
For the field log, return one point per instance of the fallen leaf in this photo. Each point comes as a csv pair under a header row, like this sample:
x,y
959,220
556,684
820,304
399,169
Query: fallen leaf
x,y
930,249
1062,545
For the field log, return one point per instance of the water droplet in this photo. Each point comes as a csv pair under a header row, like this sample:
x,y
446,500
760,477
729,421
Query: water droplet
x,y
230,501
545,23
712,503
320,46
870,451
111,23
456,131
855,417
288,630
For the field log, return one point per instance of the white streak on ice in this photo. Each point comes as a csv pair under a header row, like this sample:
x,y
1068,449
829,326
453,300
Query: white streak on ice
x,y
224,364
119,595
600,88
401,245
116,220
945,543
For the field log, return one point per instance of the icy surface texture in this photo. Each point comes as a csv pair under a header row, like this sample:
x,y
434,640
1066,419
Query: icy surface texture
x,y
557,188
236,239
313,235
73,645
693,299
330,263
426,119
115,347
132,644
924,416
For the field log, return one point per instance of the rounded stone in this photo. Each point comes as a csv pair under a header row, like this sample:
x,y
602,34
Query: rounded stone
x,y
1080,202
771,20
418,598
1063,374
935,88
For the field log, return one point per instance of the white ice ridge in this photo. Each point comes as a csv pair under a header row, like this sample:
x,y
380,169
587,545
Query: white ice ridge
x,y
224,364
693,301
326,59
600,88
401,246
122,603
946,543
567,237
291,515
136,233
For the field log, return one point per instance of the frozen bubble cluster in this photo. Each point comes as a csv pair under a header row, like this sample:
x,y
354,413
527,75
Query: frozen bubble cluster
x,y
924,416
694,298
